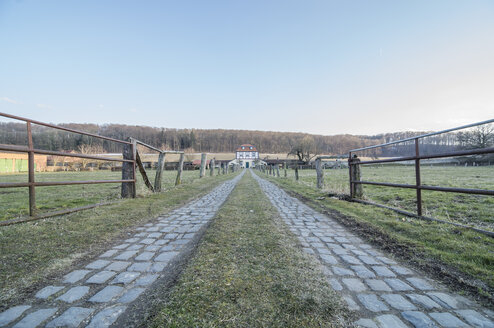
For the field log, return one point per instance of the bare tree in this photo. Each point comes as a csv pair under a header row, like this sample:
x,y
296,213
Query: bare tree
x,y
61,160
480,137
305,149
90,150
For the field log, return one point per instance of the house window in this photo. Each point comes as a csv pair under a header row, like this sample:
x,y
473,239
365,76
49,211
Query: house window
x,y
250,147
243,147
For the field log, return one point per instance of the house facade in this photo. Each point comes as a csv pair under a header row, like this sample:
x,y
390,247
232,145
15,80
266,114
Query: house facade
x,y
246,155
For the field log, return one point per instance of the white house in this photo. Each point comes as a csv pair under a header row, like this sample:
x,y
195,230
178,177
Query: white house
x,y
246,155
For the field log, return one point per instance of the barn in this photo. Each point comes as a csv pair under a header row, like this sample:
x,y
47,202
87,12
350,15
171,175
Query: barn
x,y
18,162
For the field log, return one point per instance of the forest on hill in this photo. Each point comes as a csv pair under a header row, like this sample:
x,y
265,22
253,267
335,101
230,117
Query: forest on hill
x,y
216,140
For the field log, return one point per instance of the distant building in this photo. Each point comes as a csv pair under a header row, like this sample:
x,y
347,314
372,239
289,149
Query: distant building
x,y
18,162
246,155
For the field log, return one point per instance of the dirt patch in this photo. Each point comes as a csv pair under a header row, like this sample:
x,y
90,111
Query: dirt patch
x,y
433,267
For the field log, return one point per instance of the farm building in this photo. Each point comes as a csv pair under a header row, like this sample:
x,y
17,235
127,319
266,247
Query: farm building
x,y
18,162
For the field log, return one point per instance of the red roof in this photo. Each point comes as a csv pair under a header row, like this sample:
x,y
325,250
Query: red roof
x,y
198,162
246,148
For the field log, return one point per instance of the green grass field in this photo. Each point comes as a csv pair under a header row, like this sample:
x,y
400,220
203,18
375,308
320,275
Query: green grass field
x,y
14,202
475,210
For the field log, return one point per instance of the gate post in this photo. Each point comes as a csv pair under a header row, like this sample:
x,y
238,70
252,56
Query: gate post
x,y
180,168
30,154
202,170
211,167
418,182
128,172
159,171
356,190
319,173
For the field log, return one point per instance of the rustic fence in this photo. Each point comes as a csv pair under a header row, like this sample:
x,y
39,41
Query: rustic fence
x,y
356,183
130,160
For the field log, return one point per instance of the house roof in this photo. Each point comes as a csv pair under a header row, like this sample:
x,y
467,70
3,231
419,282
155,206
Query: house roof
x,y
198,162
247,148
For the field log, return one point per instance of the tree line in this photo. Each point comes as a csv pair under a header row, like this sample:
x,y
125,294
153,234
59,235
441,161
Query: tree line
x,y
222,140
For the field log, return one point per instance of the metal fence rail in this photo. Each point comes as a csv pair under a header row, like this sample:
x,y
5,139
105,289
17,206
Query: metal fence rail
x,y
32,184
356,183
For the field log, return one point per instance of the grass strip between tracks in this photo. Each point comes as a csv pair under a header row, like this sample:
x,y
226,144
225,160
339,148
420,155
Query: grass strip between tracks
x,y
249,271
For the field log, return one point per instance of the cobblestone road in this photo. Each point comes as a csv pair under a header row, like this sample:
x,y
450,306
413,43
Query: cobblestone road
x,y
97,294
382,291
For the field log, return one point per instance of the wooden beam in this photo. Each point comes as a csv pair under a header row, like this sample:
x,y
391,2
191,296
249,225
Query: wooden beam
x,y
143,172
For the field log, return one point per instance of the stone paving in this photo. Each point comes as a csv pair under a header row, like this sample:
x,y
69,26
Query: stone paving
x,y
97,294
384,293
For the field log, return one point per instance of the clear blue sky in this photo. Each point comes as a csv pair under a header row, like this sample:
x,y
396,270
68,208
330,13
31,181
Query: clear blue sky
x,y
327,67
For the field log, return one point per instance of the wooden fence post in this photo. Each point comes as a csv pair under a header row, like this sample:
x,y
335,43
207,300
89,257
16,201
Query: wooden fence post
x,y
211,167
203,165
159,171
319,173
128,172
296,172
278,170
357,190
180,168
284,167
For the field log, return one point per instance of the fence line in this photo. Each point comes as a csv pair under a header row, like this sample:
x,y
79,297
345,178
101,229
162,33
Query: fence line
x,y
356,183
130,161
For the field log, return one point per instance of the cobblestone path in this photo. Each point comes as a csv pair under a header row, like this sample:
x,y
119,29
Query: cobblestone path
x,y
97,294
382,291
